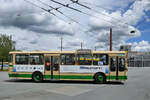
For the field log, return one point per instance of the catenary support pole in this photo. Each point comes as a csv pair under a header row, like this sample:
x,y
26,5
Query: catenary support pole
x,y
110,39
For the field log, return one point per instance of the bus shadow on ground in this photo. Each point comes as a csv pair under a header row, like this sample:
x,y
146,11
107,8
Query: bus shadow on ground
x,y
64,82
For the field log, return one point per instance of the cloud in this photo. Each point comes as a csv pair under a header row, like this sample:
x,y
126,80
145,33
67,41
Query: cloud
x,y
109,5
34,29
73,43
27,17
136,11
121,24
140,46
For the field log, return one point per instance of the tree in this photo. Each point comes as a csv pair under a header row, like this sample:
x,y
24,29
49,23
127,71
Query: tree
x,y
6,45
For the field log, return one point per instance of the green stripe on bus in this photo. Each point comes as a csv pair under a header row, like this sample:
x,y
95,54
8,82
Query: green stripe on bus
x,y
21,75
10,65
75,77
49,76
66,76
119,77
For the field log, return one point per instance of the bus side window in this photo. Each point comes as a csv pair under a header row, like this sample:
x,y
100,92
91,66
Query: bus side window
x,y
84,59
113,64
22,59
67,59
121,64
10,58
36,59
100,59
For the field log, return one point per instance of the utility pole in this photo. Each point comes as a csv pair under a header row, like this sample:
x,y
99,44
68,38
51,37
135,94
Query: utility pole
x,y
61,45
81,45
110,39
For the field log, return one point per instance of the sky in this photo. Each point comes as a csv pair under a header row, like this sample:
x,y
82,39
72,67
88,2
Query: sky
x,y
36,29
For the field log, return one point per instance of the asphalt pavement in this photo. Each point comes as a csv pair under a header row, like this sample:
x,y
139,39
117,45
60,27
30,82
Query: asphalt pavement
x,y
137,87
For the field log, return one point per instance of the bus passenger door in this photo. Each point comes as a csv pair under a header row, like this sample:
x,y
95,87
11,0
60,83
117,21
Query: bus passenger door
x,y
52,67
55,74
113,68
117,68
122,68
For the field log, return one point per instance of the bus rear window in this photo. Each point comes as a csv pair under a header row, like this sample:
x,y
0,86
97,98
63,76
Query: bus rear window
x,y
22,59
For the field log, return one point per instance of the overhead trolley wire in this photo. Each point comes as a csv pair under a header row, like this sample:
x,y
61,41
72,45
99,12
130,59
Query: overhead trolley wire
x,y
103,12
97,6
77,2
57,9
67,6
39,7
63,5
49,10
65,15
89,8
53,13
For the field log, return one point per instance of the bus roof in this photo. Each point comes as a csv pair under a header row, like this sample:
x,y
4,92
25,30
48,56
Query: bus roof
x,y
58,52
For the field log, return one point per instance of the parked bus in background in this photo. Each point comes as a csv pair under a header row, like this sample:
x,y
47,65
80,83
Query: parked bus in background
x,y
82,64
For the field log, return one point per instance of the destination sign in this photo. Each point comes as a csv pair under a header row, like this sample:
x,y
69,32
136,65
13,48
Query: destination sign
x,y
83,51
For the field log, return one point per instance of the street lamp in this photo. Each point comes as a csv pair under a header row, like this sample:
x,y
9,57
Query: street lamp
x,y
133,31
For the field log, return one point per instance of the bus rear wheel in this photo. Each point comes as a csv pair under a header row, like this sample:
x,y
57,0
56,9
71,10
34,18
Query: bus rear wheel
x,y
100,78
37,77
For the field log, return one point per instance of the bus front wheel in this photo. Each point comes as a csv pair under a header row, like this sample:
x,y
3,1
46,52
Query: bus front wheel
x,y
37,77
100,78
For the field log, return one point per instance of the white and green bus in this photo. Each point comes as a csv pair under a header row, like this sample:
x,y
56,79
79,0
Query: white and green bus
x,y
82,64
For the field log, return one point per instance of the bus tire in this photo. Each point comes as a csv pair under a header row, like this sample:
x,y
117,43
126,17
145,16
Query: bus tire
x,y
100,78
37,77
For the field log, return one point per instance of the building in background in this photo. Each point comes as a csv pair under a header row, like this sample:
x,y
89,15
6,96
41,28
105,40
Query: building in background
x,y
125,48
139,60
135,58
